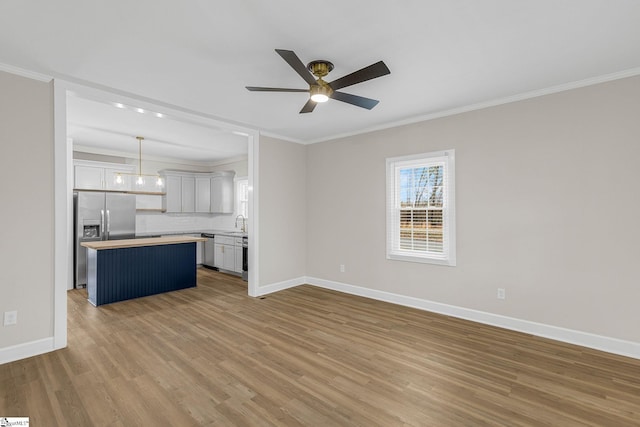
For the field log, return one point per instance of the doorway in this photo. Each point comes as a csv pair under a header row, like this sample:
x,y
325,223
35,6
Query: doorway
x,y
63,181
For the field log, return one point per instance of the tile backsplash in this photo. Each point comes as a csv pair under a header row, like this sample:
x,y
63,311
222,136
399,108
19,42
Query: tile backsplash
x,y
169,223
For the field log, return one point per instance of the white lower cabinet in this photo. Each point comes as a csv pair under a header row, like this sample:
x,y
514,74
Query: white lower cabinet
x,y
218,255
229,258
225,253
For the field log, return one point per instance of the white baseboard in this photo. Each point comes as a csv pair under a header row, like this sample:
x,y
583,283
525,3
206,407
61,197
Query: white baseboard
x,y
22,351
280,286
598,342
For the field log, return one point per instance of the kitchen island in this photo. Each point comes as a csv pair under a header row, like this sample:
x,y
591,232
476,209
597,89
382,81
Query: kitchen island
x,y
119,270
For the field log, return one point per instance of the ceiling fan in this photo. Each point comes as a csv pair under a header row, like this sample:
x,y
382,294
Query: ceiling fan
x,y
320,90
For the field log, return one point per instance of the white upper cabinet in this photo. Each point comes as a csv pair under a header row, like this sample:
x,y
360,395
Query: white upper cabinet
x,y
222,192
188,194
198,191
172,201
180,192
88,175
203,194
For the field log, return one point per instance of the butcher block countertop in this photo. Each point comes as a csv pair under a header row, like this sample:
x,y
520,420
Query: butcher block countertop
x,y
149,241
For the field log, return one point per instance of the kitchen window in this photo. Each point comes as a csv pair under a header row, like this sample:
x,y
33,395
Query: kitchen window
x,y
242,197
421,208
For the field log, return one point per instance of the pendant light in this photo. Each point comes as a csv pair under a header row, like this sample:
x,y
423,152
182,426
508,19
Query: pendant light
x,y
140,177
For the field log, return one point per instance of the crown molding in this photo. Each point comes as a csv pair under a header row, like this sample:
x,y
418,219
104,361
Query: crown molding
x,y
486,104
25,73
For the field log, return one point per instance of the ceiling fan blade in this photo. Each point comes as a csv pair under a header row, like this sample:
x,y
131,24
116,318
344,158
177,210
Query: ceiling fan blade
x,y
274,89
373,71
356,100
308,107
295,63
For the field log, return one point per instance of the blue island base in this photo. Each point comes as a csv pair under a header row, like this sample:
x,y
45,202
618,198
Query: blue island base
x,y
124,273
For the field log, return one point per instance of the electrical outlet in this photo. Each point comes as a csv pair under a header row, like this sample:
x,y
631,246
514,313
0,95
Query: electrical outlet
x,y
501,293
10,318
342,269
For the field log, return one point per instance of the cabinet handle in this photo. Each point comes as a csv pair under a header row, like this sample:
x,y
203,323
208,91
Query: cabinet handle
x,y
102,229
108,224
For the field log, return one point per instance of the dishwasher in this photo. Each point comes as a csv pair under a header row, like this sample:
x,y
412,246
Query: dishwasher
x,y
209,250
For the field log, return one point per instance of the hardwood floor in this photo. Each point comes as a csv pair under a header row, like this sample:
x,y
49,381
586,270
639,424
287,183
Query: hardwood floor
x,y
307,356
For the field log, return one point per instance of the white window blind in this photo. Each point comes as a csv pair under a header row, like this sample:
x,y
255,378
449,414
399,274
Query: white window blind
x,y
420,208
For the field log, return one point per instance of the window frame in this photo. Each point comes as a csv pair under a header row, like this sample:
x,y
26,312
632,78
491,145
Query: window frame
x,y
239,181
393,166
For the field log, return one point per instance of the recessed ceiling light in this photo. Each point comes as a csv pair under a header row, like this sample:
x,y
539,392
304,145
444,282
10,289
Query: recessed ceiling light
x,y
118,105
139,110
159,115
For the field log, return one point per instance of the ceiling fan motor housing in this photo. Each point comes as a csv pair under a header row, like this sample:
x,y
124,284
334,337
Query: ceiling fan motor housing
x,y
320,67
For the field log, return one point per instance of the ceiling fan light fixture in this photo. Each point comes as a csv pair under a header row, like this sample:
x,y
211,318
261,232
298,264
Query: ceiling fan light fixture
x,y
320,93
318,97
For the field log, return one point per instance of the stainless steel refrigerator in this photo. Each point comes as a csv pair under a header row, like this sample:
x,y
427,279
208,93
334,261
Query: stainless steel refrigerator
x,y
100,216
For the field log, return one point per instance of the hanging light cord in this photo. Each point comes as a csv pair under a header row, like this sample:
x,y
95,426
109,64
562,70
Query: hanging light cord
x,y
139,138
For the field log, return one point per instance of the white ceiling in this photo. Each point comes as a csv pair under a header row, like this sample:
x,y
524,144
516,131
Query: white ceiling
x,y
111,129
199,55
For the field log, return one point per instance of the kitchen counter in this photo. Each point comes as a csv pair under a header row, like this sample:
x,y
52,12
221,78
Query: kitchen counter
x,y
118,270
149,241
230,233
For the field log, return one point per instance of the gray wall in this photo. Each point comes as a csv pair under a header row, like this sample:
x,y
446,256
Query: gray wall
x,y
26,217
547,208
282,211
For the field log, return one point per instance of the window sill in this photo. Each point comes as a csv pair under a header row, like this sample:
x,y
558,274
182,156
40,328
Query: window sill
x,y
421,260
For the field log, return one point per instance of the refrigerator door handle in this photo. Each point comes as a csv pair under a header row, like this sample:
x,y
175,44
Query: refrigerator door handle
x,y
102,224
108,224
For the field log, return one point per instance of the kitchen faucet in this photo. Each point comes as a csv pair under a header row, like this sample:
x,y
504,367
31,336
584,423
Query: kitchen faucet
x,y
244,228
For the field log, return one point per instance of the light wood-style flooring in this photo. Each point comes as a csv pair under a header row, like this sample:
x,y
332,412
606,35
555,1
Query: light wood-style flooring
x,y
307,356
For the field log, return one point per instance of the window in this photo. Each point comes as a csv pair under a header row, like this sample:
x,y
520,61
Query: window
x,y
242,197
421,208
